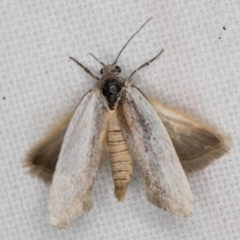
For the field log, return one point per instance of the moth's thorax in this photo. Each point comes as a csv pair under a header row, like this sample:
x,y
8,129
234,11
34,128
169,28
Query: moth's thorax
x,y
111,85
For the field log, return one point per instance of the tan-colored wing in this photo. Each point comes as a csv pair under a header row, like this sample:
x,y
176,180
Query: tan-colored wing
x,y
154,154
42,159
196,144
79,159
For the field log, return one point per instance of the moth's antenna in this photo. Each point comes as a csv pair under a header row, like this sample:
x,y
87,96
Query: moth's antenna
x,y
131,39
98,60
84,68
145,64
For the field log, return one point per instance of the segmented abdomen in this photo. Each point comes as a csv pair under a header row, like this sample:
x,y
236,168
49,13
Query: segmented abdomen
x,y
121,160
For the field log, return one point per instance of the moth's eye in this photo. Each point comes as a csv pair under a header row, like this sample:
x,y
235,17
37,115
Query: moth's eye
x,y
101,71
118,69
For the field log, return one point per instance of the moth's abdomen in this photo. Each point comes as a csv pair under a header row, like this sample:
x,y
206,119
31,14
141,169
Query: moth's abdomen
x,y
120,158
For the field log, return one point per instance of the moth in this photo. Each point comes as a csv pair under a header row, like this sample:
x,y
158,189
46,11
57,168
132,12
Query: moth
x,y
134,130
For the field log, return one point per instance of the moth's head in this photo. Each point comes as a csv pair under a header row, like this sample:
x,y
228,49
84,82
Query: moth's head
x,y
110,69
111,84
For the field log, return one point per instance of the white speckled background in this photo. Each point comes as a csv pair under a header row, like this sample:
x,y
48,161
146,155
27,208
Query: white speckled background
x,y
198,73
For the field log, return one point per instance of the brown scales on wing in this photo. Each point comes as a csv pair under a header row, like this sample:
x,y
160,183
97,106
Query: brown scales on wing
x,y
120,158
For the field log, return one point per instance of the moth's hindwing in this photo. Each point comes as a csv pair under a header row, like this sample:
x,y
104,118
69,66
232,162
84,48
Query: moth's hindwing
x,y
79,159
42,159
196,144
154,154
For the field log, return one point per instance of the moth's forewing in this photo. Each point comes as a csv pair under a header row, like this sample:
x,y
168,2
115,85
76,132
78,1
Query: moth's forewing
x,y
79,159
42,159
154,154
196,144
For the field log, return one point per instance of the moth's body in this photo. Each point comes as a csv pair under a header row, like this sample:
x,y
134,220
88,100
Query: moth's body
x,y
159,140
112,86
120,157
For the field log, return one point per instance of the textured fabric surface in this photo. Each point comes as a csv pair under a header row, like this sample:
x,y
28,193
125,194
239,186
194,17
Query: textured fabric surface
x,y
198,73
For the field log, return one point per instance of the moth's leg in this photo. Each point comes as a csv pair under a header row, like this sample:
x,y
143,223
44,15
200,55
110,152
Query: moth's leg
x,y
145,64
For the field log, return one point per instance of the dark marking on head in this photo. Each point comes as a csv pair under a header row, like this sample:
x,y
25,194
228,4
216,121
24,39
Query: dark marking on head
x,y
111,89
117,69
